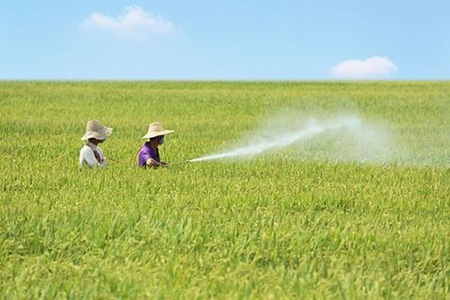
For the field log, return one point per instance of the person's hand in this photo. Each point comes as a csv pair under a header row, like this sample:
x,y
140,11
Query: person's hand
x,y
153,163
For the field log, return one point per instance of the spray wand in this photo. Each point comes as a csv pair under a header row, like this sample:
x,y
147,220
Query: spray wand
x,y
180,162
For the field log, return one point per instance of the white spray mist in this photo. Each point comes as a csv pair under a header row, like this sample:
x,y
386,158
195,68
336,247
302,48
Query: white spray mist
x,y
345,129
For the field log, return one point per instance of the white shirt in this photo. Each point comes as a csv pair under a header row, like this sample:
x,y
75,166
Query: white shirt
x,y
87,156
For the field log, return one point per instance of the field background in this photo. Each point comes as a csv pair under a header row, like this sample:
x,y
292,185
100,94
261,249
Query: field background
x,y
272,227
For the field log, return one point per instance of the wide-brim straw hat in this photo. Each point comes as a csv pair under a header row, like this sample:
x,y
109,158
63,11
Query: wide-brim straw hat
x,y
156,129
95,129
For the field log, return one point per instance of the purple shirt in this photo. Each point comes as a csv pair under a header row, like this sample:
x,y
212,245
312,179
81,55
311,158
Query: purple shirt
x,y
147,152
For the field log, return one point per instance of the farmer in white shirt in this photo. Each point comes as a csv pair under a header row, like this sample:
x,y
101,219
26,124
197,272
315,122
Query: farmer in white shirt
x,y
91,155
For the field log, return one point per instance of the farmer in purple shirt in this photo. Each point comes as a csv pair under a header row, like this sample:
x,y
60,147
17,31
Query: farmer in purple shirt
x,y
149,153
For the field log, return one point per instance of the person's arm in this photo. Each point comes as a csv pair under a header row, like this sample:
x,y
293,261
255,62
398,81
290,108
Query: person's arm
x,y
149,161
152,163
103,164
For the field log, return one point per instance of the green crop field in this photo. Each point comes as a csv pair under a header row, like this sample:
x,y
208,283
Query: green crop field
x,y
281,225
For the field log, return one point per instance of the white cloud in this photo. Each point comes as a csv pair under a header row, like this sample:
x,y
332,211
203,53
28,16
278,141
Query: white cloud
x,y
134,23
373,67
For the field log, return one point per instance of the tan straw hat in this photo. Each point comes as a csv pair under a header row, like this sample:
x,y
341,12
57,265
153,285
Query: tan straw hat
x,y
94,129
156,129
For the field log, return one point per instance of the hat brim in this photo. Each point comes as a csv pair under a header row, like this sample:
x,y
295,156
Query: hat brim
x,y
153,134
97,135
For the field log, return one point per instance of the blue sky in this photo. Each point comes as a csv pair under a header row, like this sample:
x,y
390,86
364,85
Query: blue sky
x,y
229,40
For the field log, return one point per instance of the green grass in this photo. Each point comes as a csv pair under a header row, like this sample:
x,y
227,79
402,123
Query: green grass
x,y
272,227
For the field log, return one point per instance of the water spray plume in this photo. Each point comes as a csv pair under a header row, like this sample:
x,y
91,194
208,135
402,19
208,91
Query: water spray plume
x,y
277,140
